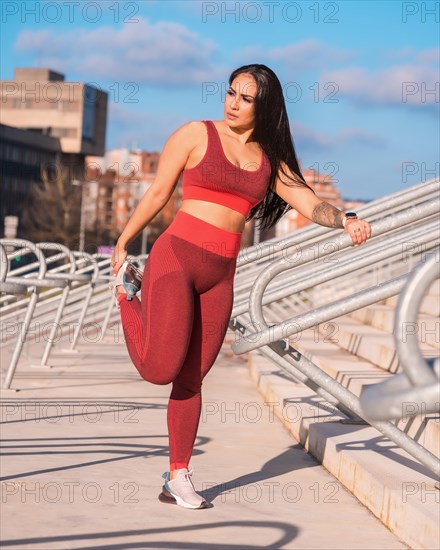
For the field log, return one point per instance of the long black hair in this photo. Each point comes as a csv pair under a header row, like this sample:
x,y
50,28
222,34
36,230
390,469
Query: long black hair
x,y
272,132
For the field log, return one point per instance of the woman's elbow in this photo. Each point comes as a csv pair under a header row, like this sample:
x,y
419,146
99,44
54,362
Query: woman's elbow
x,y
158,195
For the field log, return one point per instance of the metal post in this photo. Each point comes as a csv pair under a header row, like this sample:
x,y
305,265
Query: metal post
x,y
82,221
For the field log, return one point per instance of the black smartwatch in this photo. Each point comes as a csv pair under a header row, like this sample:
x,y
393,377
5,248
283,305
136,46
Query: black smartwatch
x,y
349,216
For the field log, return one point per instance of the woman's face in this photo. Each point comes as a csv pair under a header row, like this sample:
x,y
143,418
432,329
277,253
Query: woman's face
x,y
239,107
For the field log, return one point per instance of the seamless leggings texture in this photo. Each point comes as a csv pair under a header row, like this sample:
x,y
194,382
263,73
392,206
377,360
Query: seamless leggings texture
x,y
175,332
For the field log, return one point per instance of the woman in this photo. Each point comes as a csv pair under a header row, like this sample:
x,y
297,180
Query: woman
x,y
233,169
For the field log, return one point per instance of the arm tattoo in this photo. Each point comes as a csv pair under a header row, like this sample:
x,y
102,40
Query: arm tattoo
x,y
327,214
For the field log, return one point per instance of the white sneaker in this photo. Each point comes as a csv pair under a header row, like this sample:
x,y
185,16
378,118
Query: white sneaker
x,y
182,491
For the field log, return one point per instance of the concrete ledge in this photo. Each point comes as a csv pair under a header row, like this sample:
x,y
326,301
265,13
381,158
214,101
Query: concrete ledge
x,y
355,373
430,303
381,316
396,488
368,342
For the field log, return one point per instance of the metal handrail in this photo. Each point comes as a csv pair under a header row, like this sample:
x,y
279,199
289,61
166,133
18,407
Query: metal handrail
x,y
91,263
269,337
412,362
261,337
25,247
420,381
380,207
345,262
267,255
8,287
69,277
42,286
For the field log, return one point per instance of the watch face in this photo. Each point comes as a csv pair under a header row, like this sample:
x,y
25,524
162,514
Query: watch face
x,y
350,215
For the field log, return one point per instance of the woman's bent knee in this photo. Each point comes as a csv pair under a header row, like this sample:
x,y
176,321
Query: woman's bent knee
x,y
157,379
158,376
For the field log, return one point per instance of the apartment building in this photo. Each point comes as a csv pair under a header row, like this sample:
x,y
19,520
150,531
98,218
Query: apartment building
x,y
45,120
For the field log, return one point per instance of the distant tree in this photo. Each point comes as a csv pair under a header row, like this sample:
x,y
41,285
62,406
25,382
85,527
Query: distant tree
x,y
54,209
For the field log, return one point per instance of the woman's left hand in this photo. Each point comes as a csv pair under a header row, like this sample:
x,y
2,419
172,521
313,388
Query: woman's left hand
x,y
359,230
118,257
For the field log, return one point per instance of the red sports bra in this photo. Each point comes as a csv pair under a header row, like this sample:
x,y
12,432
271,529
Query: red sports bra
x,y
216,179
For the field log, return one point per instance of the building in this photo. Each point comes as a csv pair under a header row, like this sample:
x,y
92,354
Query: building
x,y
123,176
40,100
23,154
45,120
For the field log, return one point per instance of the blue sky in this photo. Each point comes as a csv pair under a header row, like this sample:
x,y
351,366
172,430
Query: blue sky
x,y
343,66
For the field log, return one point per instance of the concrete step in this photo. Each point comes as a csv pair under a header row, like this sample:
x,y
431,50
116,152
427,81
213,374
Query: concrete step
x,y
396,488
355,373
367,342
381,316
430,303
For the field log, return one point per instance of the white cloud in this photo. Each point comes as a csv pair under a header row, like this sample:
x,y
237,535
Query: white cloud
x,y
406,84
162,53
309,54
298,57
306,138
430,55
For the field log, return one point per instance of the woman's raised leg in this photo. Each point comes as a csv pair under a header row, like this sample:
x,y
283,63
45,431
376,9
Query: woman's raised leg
x,y
157,329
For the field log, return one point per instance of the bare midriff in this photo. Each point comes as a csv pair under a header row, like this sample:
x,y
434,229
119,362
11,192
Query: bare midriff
x,y
215,214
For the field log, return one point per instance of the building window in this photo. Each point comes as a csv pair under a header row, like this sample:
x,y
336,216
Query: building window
x,y
15,153
64,132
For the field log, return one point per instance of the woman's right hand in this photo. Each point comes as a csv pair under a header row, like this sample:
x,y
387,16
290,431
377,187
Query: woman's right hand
x,y
118,257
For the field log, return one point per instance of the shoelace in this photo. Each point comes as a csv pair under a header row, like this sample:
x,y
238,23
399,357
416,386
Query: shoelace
x,y
189,486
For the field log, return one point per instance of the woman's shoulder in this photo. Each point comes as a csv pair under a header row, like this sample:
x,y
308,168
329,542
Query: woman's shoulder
x,y
190,135
199,125
195,124
192,129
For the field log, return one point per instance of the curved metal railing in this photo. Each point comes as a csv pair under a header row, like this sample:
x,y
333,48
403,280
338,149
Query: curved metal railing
x,y
419,384
319,276
58,298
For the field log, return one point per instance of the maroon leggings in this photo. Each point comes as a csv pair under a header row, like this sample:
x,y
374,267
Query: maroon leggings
x,y
175,333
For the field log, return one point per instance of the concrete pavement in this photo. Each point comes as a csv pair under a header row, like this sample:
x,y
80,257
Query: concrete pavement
x,y
85,444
